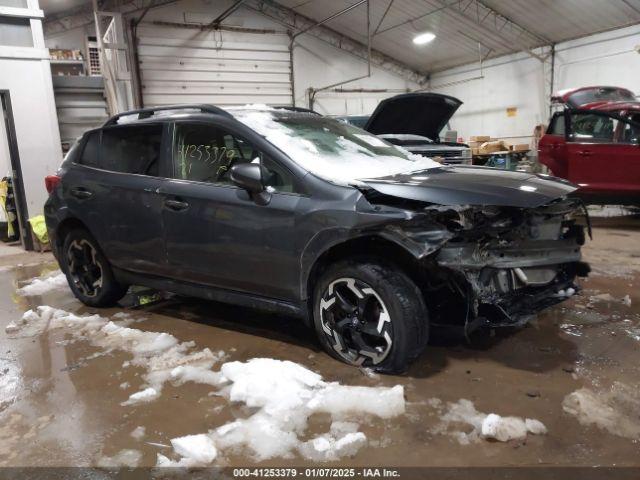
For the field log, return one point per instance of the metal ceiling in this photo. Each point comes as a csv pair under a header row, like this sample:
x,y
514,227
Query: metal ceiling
x,y
468,29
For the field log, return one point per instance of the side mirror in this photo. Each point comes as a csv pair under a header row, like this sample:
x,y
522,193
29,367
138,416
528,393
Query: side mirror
x,y
248,176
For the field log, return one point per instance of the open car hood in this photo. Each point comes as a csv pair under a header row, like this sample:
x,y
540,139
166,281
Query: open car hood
x,y
424,114
469,185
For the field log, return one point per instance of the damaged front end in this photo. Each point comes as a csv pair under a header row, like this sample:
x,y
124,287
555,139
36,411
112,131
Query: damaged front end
x,y
493,265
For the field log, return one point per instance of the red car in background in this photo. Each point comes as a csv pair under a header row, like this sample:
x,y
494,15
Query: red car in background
x,y
594,142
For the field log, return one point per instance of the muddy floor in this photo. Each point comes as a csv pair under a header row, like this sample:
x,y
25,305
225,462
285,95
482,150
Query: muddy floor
x,y
60,400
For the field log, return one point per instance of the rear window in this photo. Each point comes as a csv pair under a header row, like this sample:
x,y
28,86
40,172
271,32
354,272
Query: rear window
x,y
89,155
131,149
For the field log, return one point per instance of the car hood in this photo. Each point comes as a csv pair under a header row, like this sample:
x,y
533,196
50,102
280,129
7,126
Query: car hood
x,y
424,114
470,185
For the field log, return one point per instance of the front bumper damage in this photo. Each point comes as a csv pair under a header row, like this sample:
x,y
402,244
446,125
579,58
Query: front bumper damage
x,y
495,266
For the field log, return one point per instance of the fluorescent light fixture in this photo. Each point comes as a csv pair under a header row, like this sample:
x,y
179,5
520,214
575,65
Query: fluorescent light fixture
x,y
423,38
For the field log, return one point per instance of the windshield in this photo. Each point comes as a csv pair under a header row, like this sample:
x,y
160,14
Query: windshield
x,y
333,150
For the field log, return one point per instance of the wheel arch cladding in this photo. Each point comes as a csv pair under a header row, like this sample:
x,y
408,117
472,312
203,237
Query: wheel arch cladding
x,y
67,225
366,245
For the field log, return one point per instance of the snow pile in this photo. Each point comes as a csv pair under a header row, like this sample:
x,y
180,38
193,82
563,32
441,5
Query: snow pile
x,y
569,292
138,433
329,155
343,440
491,426
124,458
608,298
162,356
615,410
195,450
41,285
284,395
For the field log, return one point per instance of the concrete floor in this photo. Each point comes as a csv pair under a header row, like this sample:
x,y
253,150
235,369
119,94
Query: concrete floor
x,y
61,405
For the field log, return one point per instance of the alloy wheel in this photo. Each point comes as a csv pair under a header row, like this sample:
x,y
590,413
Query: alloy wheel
x,y
84,267
356,322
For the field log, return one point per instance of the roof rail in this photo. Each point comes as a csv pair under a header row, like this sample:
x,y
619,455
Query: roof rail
x,y
148,112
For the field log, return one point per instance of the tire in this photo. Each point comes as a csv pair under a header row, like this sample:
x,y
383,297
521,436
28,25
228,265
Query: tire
x,y
88,271
384,307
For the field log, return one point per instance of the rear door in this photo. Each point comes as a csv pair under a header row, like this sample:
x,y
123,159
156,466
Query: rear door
x,y
597,162
114,191
215,233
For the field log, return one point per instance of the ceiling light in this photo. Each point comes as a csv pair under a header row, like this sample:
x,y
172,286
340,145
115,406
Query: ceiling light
x,y
423,38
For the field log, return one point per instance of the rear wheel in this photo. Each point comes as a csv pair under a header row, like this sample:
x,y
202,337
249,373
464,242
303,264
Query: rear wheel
x,y
88,272
370,314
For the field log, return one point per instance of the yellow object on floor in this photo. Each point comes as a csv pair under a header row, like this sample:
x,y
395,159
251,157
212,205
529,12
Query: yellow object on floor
x,y
39,228
4,191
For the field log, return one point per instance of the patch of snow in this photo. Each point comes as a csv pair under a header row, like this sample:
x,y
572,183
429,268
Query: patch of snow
x,y
482,425
11,327
329,154
535,427
330,448
138,433
503,429
614,410
195,450
157,353
633,332
627,300
124,458
42,285
282,394
146,395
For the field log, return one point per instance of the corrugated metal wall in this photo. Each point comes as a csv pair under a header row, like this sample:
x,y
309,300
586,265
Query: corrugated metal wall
x,y
184,65
80,104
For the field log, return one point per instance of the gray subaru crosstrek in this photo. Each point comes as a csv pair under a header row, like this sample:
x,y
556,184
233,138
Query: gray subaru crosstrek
x,y
296,213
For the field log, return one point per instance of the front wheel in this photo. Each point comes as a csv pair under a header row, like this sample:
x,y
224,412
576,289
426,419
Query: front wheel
x,y
88,272
370,314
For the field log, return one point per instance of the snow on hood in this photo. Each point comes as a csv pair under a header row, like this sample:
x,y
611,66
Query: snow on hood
x,y
358,156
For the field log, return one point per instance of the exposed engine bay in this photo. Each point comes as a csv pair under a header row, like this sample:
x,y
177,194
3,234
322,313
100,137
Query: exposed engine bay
x,y
492,265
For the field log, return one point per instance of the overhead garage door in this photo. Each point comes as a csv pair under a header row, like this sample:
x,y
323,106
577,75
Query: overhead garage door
x,y
184,65
80,104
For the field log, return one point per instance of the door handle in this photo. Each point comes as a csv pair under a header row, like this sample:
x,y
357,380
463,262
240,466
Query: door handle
x,y
176,205
81,192
585,153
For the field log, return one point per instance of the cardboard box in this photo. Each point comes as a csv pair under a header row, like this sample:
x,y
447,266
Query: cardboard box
x,y
475,151
480,138
520,147
491,147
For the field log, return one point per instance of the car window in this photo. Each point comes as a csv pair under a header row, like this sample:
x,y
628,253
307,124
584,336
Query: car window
x,y
592,128
132,149
630,133
557,125
276,178
206,153
89,155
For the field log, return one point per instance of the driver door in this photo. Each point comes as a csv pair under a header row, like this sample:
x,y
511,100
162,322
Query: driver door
x,y
215,233
598,162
